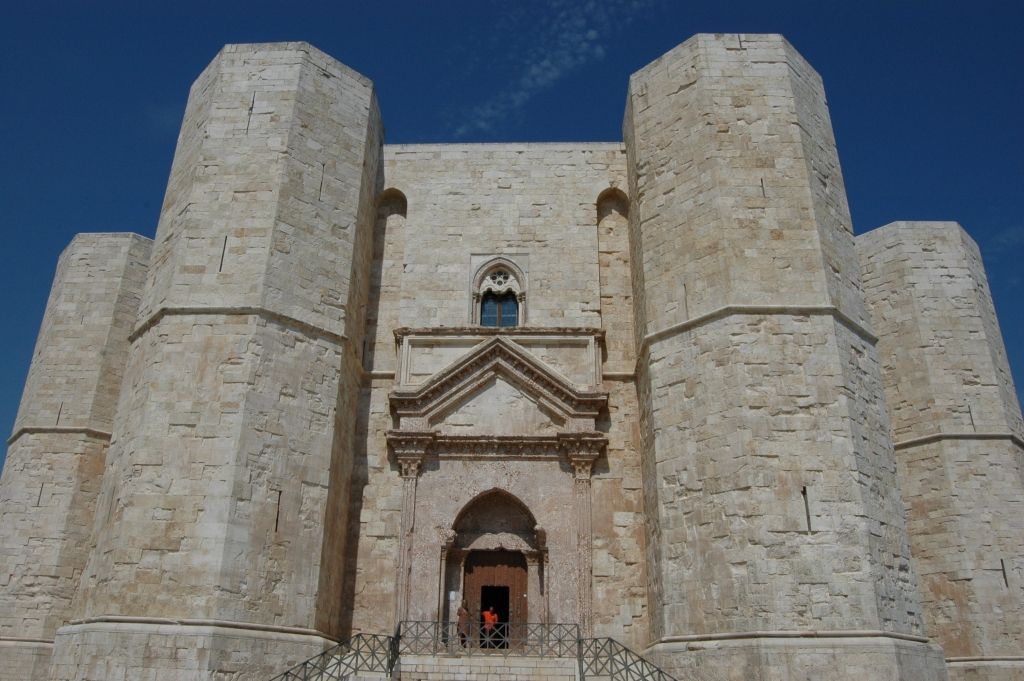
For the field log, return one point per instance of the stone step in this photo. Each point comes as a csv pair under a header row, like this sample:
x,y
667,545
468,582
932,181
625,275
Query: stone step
x,y
487,668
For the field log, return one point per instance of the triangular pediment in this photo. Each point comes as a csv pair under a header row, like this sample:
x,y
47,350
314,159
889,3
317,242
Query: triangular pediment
x,y
495,362
496,407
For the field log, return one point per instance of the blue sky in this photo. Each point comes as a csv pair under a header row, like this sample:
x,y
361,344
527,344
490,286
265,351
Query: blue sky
x,y
927,100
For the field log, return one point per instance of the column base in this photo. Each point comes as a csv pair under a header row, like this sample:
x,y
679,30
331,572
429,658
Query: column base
x,y
799,657
24,659
150,649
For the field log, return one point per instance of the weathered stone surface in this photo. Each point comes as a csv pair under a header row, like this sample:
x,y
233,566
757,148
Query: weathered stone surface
x,y
55,459
682,442
958,433
227,479
770,479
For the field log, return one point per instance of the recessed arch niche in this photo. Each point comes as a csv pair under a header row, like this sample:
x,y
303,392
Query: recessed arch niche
x,y
495,540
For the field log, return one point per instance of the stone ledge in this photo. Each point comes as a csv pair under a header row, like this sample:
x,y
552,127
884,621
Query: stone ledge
x,y
754,310
799,634
32,430
262,312
936,437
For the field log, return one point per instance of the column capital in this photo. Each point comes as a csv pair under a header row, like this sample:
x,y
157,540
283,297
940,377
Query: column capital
x,y
409,448
582,462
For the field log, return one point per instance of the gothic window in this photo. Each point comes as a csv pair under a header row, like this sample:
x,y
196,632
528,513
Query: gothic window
x,y
499,294
499,310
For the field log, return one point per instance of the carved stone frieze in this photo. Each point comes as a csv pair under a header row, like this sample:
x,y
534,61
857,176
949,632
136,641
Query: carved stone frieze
x,y
581,449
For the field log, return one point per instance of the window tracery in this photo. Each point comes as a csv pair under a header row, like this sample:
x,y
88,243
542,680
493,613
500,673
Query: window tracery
x,y
499,294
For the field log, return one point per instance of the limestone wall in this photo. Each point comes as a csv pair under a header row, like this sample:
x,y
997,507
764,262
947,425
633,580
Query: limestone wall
x,y
536,204
957,429
55,458
770,481
232,443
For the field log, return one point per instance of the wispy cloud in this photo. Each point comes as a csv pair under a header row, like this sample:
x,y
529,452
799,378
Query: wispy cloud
x,y
553,45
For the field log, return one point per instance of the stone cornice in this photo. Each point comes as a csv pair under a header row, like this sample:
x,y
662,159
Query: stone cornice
x,y
489,331
583,446
498,356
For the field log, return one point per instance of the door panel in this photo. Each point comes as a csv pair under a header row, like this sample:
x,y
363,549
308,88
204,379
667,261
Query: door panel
x,y
497,568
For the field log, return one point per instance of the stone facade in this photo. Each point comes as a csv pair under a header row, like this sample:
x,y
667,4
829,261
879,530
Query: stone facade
x,y
656,388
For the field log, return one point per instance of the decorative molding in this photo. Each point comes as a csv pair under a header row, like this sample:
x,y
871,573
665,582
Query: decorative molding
x,y
403,332
582,463
497,356
582,447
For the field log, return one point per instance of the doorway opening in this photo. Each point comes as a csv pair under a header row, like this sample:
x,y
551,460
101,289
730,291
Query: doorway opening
x,y
495,635
495,597
496,579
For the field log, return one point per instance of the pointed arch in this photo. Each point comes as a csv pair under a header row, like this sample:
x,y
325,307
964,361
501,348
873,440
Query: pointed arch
x,y
496,518
499,293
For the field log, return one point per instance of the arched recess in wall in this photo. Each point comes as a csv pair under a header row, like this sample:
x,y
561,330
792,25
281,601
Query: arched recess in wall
x,y
612,200
390,202
384,299
615,278
495,543
496,519
499,294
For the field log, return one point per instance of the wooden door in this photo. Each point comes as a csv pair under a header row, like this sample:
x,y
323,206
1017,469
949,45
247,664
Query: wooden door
x,y
486,570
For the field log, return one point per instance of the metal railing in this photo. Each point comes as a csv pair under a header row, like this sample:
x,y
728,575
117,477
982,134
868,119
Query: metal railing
x,y
603,658
504,638
606,657
361,653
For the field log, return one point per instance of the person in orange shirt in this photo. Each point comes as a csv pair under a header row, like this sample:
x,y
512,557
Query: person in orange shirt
x,y
490,621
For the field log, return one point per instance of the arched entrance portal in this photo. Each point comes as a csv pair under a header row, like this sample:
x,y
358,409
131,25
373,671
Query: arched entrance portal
x,y
496,556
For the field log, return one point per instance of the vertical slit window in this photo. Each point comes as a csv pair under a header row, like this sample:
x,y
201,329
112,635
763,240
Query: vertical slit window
x,y
807,508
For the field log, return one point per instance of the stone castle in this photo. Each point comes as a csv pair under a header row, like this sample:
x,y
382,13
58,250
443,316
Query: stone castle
x,y
655,389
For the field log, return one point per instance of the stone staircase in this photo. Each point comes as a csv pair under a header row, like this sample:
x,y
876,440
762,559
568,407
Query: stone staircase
x,y
459,667
434,651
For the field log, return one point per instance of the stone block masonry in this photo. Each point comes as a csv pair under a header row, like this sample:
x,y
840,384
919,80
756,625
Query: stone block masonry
x,y
769,476
55,459
651,390
228,473
958,433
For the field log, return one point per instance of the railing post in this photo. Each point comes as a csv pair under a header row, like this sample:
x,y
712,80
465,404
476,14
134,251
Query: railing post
x,y
579,655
